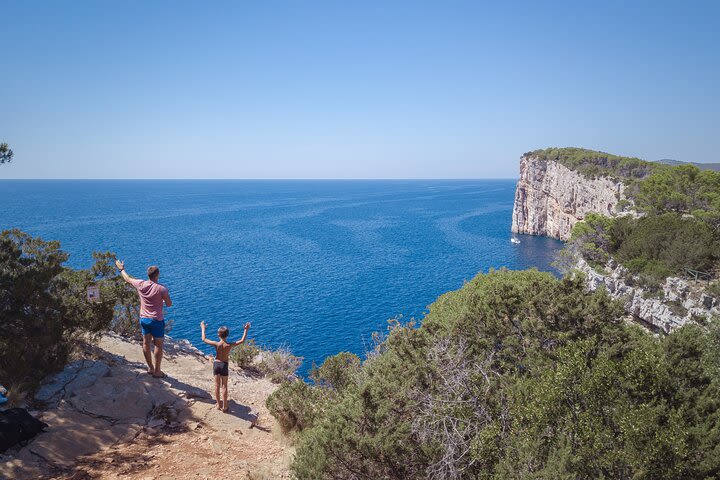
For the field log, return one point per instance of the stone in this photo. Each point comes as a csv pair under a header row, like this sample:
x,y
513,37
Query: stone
x,y
156,423
76,376
707,301
649,310
675,289
127,402
63,441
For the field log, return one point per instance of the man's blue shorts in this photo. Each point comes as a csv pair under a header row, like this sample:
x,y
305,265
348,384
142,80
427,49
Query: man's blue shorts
x,y
153,327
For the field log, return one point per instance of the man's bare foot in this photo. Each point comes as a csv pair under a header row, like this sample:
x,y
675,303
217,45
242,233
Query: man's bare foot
x,y
226,410
150,370
219,407
159,374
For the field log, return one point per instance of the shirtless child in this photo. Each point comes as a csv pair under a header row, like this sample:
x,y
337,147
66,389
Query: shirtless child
x,y
222,356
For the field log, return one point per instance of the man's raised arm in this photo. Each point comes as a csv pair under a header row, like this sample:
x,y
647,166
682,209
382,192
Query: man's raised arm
x,y
126,276
166,298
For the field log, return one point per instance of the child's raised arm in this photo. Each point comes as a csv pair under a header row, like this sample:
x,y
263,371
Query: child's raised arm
x,y
204,338
247,327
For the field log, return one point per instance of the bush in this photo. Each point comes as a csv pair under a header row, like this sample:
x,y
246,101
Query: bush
x,y
295,405
653,247
592,164
279,365
680,189
591,238
337,372
516,375
43,306
713,289
244,354
670,241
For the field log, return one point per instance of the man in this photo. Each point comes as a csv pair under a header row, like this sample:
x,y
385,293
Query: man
x,y
152,295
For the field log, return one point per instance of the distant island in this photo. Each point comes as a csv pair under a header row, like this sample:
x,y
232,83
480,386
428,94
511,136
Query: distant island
x,y
701,166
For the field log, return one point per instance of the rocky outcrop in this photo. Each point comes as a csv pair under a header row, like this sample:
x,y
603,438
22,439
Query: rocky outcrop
x,y
109,419
679,304
550,198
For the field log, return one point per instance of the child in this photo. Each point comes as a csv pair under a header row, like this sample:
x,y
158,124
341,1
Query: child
x,y
220,365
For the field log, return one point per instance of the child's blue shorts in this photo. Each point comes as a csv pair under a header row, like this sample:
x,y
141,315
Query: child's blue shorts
x,y
153,327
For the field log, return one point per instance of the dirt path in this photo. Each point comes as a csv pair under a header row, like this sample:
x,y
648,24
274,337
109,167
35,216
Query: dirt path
x,y
109,419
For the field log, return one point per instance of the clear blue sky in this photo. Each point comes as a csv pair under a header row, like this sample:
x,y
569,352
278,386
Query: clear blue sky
x,y
365,89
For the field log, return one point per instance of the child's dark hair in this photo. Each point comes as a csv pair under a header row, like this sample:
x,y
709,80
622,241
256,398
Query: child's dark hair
x,y
223,332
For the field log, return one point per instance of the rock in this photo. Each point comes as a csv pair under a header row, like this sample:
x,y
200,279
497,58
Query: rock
x,y
76,376
649,310
156,423
675,289
194,392
707,301
63,442
550,198
126,402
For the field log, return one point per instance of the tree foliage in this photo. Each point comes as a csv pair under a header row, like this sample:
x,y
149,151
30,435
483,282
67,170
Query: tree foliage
x,y
6,154
653,246
516,375
594,164
44,309
679,226
680,189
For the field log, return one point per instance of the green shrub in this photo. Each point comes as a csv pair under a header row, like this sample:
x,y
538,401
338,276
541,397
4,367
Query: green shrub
x,y
43,306
680,189
650,273
337,372
296,405
594,164
592,238
516,375
244,354
713,289
671,241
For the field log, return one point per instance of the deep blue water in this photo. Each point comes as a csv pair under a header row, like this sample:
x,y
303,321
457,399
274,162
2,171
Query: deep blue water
x,y
315,265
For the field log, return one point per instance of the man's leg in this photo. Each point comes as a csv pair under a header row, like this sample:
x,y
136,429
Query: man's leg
x,y
217,391
158,356
147,351
224,389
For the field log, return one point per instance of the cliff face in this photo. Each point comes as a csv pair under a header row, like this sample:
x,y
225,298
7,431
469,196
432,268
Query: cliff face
x,y
550,198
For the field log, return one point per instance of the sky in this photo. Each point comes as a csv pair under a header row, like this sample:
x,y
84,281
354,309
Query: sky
x,y
364,89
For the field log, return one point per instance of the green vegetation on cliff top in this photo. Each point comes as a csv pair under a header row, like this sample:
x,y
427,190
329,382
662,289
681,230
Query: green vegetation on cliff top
x,y
593,164
679,227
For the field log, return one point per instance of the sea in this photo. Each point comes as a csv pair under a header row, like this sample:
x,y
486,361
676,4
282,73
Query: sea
x,y
315,266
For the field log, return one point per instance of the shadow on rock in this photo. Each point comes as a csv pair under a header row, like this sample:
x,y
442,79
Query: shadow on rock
x,y
94,404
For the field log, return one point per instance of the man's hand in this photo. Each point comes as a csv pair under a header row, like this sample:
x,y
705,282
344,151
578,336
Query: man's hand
x,y
120,265
247,326
202,324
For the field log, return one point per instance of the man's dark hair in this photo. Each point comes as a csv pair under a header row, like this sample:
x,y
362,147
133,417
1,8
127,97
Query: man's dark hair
x,y
153,272
223,332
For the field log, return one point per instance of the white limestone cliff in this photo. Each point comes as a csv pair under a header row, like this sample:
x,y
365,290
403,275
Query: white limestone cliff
x,y
550,198
681,301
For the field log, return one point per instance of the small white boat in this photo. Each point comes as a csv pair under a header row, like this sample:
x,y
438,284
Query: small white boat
x,y
514,240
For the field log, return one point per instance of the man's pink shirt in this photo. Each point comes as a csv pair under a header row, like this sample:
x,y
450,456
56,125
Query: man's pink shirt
x,y
151,298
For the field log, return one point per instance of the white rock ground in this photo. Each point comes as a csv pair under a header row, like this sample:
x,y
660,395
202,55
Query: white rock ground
x,y
109,419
